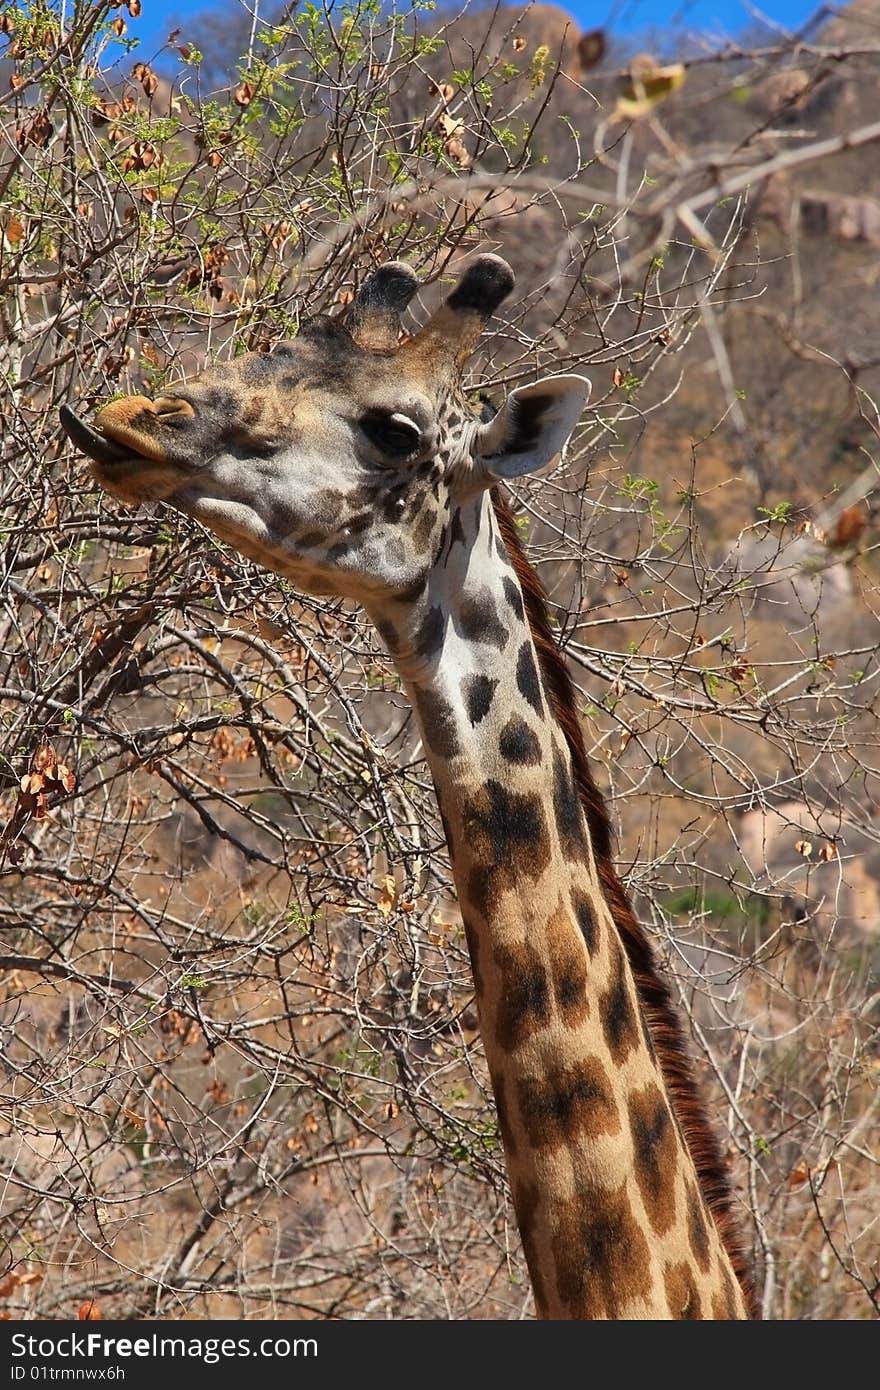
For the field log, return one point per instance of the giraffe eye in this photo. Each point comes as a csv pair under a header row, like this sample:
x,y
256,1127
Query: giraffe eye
x,y
394,434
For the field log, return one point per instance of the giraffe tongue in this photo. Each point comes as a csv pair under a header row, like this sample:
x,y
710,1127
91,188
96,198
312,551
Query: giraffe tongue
x,y
89,440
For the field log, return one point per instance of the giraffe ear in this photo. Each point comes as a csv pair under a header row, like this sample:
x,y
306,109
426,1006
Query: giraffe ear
x,y
531,427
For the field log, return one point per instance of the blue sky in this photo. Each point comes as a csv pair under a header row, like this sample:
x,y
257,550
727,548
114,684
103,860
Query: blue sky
x,y
713,17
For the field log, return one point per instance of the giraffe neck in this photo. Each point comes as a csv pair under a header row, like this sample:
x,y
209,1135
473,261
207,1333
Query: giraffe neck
x,y
608,1202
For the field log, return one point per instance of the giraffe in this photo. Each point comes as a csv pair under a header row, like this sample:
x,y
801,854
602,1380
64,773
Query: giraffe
x,y
349,461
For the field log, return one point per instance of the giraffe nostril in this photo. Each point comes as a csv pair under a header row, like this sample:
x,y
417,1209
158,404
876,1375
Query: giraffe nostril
x,y
167,407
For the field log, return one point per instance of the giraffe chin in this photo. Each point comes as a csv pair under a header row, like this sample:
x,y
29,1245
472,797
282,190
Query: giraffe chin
x,y
133,480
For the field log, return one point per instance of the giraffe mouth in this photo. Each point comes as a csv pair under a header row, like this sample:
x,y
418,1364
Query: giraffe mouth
x,y
122,470
98,447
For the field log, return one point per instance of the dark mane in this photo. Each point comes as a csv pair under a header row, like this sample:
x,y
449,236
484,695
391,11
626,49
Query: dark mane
x,y
660,1014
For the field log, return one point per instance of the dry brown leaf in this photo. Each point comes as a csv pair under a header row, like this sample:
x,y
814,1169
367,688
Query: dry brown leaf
x,y
448,125
457,151
148,80
387,895
444,90
64,775
848,527
828,851
89,1312
804,847
134,1118
19,1279
14,230
243,95
45,759
268,630
799,1175
617,376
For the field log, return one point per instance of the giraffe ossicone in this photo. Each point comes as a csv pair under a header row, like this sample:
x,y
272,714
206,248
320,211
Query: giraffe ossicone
x,y
351,462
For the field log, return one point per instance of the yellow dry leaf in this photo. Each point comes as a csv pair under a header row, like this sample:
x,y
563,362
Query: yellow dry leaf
x,y
804,847
134,1118
648,84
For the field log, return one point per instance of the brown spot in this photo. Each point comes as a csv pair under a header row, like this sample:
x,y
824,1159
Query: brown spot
x,y
518,744
654,1150
726,1307
513,595
413,590
524,1005
649,1044
567,1102
602,1257
424,529
388,632
506,835
456,530
508,1137
586,919
478,620
698,1233
526,1200
568,964
527,681
619,1017
568,811
473,941
429,638
477,692
438,723
681,1293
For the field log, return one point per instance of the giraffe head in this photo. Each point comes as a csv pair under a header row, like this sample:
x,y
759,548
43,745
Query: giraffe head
x,y
334,459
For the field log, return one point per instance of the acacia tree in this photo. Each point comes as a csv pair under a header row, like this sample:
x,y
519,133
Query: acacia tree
x,y
242,1073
